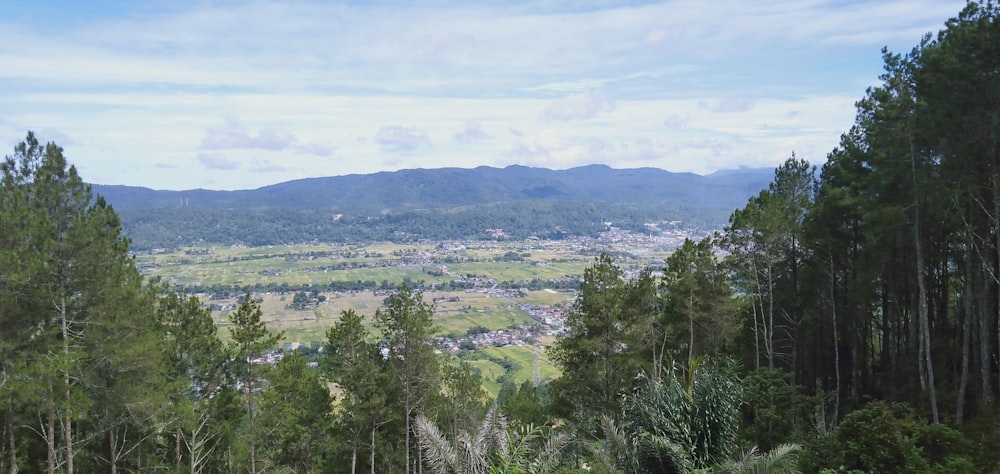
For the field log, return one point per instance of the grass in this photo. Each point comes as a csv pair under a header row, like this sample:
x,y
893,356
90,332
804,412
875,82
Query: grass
x,y
524,358
299,265
547,297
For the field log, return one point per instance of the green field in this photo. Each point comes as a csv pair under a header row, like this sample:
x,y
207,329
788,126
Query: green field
x,y
524,357
316,265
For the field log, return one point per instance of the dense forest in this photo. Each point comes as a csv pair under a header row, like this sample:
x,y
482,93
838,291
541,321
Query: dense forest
x,y
435,204
847,319
179,227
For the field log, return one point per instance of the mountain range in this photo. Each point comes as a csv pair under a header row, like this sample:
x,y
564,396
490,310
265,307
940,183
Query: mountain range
x,y
393,201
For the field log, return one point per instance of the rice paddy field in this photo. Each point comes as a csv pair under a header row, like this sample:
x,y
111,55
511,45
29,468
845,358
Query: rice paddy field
x,y
320,264
431,264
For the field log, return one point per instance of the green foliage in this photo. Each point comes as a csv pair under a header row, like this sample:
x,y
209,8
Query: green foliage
x,y
681,422
407,327
887,437
494,448
369,417
774,412
981,432
698,309
605,347
249,338
295,408
783,459
527,404
78,352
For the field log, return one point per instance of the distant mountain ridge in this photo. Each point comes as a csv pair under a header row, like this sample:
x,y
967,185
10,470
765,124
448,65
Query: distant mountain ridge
x,y
432,203
452,187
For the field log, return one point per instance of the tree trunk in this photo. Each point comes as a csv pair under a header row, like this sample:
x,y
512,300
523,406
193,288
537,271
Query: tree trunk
x,y
753,302
354,453
690,327
406,409
50,437
836,338
68,413
374,427
925,332
194,452
113,450
756,337
68,439
177,449
250,417
769,327
964,379
982,316
11,440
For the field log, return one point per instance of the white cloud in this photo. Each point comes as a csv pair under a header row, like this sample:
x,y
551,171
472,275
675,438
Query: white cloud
x,y
265,166
401,139
217,162
547,149
647,149
232,136
47,135
317,149
733,103
581,106
471,132
715,145
676,121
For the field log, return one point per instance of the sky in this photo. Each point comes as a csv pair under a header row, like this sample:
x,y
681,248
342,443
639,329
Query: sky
x,y
233,94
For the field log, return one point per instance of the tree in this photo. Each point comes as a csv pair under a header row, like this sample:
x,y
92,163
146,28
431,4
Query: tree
x,y
196,365
527,404
250,338
295,409
954,79
605,347
358,369
407,327
697,301
462,400
71,304
128,384
767,254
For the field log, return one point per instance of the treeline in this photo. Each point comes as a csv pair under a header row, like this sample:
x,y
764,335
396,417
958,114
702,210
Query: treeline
x,y
879,278
221,291
103,371
553,220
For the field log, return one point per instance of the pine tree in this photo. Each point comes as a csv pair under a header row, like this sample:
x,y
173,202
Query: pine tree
x,y
606,345
250,339
407,327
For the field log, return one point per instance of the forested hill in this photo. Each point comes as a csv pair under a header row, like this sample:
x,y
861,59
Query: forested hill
x,y
433,203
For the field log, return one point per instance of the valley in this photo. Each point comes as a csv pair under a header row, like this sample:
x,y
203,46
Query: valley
x,y
498,304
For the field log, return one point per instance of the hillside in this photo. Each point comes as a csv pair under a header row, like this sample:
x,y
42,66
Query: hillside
x,y
432,203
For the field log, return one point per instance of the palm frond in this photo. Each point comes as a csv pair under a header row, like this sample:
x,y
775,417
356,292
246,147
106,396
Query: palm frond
x,y
440,454
492,436
783,459
548,459
619,445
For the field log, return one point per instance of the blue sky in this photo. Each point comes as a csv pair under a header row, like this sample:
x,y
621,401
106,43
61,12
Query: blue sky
x,y
240,94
